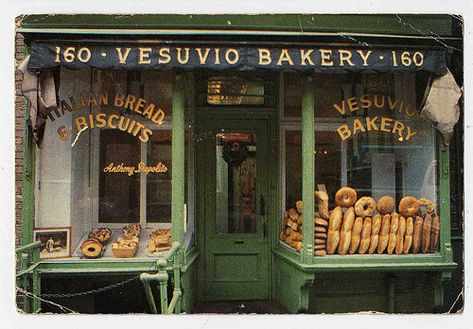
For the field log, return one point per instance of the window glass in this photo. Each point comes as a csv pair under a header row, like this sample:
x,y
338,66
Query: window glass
x,y
368,136
228,90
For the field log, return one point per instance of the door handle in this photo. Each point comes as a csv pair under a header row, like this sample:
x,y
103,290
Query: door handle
x,y
262,206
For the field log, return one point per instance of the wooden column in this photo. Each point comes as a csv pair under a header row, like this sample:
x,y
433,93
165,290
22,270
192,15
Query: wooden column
x,y
178,157
307,252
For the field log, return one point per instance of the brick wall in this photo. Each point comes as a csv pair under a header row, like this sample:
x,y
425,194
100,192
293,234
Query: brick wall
x,y
20,103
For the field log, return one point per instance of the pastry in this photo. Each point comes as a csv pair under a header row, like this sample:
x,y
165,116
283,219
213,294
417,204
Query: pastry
x,y
417,235
345,197
346,230
365,206
409,206
293,214
320,235
375,228
384,233
333,236
101,234
356,235
408,236
385,205
400,236
365,236
320,252
320,229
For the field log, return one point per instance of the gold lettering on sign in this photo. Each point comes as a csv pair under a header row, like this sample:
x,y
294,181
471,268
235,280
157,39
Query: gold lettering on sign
x,y
130,170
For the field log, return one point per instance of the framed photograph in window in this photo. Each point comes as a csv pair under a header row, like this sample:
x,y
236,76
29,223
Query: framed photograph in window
x,y
55,242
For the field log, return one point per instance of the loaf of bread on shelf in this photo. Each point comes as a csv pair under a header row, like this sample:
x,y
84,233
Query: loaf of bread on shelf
x,y
384,233
375,228
356,235
417,235
365,236
435,234
393,232
400,236
408,235
346,231
426,230
333,235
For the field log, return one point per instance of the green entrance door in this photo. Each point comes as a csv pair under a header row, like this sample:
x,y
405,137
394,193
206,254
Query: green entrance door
x,y
233,156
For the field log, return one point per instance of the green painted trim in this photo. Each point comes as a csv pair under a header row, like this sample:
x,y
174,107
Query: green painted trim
x,y
27,212
444,200
178,157
302,24
308,173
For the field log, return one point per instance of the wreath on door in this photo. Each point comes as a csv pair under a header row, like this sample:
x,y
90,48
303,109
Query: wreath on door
x,y
234,153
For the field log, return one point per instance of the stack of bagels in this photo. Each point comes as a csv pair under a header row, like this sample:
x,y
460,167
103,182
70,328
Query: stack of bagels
x,y
364,226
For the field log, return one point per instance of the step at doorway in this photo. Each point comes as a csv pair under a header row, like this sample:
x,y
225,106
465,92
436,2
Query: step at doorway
x,y
240,307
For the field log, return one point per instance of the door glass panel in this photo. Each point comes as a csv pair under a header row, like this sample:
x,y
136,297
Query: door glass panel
x,y
235,189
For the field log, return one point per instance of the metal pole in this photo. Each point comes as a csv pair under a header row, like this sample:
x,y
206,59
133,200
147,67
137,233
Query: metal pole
x,y
307,252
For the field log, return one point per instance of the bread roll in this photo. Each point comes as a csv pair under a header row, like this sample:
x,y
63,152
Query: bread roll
x,y
417,235
320,229
400,236
426,228
298,246
318,235
408,236
321,222
320,241
435,234
375,228
320,246
384,233
356,235
345,232
365,236
320,253
333,235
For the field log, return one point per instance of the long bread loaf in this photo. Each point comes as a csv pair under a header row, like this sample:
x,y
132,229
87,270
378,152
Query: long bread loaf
x,y
393,232
400,236
384,233
365,236
435,234
426,228
333,235
356,235
346,230
417,236
375,228
408,236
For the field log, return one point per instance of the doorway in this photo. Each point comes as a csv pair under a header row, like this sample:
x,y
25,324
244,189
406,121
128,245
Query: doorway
x,y
233,160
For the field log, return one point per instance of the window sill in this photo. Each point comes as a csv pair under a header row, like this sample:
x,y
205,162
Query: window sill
x,y
332,263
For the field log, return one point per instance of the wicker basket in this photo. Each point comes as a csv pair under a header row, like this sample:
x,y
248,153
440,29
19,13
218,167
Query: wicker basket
x,y
124,252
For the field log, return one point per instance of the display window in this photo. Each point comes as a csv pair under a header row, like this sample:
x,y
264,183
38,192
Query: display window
x,y
376,174
104,165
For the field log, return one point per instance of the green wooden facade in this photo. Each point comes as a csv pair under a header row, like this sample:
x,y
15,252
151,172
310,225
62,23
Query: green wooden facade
x,y
300,282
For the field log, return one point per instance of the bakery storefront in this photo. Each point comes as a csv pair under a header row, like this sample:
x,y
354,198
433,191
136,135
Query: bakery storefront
x,y
174,161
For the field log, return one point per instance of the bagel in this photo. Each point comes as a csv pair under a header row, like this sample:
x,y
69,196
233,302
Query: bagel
x,y
427,205
91,248
385,205
365,206
345,197
409,206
